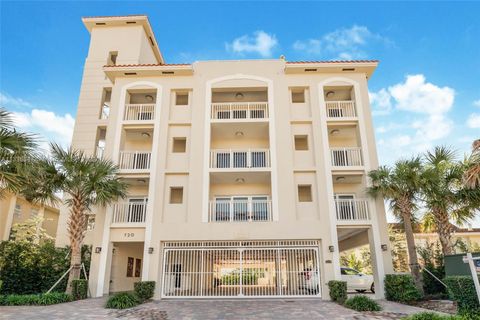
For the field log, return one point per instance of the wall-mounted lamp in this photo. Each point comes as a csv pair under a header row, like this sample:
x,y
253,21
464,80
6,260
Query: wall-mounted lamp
x,y
98,249
150,250
331,248
384,247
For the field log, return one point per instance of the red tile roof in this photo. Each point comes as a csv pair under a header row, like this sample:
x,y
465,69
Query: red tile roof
x,y
333,61
147,65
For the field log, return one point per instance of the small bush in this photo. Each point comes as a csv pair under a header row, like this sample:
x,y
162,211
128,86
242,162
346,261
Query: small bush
x,y
338,290
144,289
462,290
401,288
79,289
34,299
432,316
362,303
123,300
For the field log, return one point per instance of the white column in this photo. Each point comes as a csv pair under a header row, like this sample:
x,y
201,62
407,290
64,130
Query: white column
x,y
106,251
8,224
377,260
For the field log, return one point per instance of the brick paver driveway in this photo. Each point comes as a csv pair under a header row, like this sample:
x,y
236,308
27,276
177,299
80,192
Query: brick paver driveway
x,y
206,310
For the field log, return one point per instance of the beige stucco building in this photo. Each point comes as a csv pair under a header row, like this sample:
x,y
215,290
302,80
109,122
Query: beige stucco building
x,y
246,178
15,209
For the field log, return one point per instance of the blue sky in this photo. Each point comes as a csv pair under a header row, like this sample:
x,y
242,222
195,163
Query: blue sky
x,y
425,92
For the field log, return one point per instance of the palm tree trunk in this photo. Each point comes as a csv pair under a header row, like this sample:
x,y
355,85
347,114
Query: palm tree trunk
x,y
76,228
412,252
444,230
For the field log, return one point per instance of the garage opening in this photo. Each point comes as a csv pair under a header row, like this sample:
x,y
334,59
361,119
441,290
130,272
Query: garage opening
x,y
237,269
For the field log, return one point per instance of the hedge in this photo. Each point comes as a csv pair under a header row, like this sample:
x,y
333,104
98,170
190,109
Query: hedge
x,y
144,289
79,289
27,268
462,290
401,288
123,300
362,303
338,290
34,299
432,316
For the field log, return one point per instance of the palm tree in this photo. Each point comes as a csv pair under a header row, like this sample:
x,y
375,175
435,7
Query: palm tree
x,y
472,174
400,186
85,181
16,149
445,198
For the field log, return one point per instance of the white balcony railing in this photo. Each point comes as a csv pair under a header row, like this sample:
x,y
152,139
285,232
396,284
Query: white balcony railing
x,y
341,109
250,158
141,112
239,110
346,157
236,210
135,160
352,209
132,211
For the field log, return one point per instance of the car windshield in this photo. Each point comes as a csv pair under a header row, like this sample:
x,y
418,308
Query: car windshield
x,y
350,272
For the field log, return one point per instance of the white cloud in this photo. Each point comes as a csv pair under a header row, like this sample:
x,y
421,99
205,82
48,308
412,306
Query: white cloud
x,y
46,125
476,103
382,100
416,95
342,44
473,121
260,42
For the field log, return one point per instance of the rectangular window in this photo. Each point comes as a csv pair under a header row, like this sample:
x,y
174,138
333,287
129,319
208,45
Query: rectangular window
x,y
138,267
112,58
18,210
130,267
301,142
304,193
181,98
298,95
105,105
176,195
179,145
33,213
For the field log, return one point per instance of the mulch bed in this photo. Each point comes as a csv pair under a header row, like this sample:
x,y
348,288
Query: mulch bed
x,y
445,306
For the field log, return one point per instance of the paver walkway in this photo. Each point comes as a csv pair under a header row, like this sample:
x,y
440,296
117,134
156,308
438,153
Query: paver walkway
x,y
207,310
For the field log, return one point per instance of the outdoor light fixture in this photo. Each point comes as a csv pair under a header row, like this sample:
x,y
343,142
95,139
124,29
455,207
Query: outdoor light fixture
x,y
330,94
240,180
340,179
331,248
239,134
145,134
150,250
149,98
384,247
141,180
239,96
98,249
334,131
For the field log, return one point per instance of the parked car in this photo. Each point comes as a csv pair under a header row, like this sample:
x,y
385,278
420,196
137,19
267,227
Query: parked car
x,y
309,281
357,281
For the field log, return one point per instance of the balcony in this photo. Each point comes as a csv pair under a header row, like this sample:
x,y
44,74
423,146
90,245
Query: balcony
x,y
134,160
236,159
338,110
346,157
352,210
139,112
132,211
234,111
240,209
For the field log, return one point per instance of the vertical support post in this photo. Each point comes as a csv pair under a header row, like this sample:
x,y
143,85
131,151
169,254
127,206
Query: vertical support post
x,y
473,270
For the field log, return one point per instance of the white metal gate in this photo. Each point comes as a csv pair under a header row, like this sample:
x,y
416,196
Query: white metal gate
x,y
236,269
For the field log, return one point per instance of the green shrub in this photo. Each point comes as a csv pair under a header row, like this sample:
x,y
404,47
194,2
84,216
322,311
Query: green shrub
x,y
338,290
462,290
27,268
432,316
144,289
401,288
35,299
362,303
79,289
123,300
